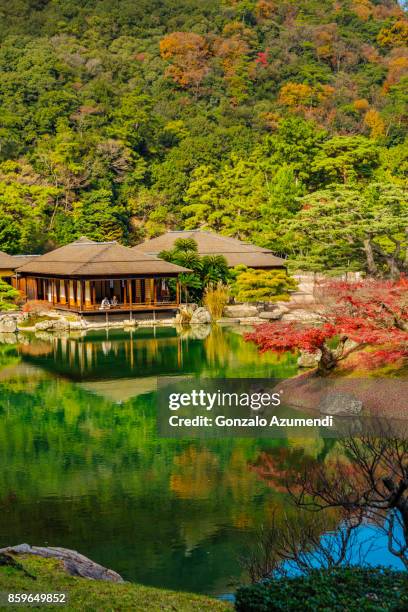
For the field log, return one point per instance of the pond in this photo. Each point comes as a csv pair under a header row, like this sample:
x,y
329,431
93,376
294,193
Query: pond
x,y
83,466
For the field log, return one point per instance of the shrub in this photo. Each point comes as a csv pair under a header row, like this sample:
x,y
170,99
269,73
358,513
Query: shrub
x,y
348,588
262,285
36,307
216,297
8,296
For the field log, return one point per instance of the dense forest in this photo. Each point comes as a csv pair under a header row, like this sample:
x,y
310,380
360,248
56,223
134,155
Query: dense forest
x,y
283,122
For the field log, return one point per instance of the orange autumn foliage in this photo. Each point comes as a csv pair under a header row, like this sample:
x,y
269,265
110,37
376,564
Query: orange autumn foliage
x,y
231,51
188,55
325,93
361,104
265,9
363,9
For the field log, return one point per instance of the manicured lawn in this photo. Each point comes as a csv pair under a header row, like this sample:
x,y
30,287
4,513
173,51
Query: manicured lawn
x,y
84,594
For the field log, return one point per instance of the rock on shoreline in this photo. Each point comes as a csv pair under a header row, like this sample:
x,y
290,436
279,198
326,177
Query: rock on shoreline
x,y
73,562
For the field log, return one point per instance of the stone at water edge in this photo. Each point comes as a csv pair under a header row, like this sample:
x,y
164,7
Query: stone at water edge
x,y
201,315
340,404
240,311
73,325
299,315
227,321
282,306
74,563
251,321
8,324
273,315
52,325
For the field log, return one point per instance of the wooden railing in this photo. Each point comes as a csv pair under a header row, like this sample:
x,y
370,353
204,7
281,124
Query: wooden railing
x,y
118,307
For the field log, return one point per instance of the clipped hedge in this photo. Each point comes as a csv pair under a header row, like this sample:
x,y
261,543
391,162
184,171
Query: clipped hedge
x,y
340,589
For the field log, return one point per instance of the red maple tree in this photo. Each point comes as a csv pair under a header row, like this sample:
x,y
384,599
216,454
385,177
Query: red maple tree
x,y
353,315
262,58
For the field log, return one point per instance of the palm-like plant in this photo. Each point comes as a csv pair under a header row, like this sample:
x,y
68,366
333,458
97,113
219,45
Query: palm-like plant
x,y
215,268
204,270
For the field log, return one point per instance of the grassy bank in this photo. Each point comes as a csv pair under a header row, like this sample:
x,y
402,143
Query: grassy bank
x,y
83,594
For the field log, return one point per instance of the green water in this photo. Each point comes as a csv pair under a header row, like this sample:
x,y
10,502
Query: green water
x,y
82,466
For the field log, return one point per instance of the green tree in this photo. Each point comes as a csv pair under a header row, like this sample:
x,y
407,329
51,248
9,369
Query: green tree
x,y
252,285
8,296
345,159
344,228
26,205
98,217
229,201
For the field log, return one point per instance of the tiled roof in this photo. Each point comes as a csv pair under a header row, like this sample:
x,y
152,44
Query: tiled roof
x,y
235,251
88,258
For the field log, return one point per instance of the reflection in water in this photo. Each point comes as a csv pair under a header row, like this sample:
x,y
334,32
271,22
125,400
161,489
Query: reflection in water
x,y
84,468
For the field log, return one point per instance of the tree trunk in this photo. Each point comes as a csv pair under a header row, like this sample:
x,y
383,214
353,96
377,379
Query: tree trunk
x,y
327,362
406,251
395,272
371,265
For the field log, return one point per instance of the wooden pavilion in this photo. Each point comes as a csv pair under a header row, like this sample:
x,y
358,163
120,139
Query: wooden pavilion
x,y
9,264
235,251
93,277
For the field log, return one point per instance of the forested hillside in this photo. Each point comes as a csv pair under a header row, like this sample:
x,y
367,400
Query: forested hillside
x,y
279,121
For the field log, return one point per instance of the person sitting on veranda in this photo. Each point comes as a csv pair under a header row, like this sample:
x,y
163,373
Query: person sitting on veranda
x,y
114,301
104,304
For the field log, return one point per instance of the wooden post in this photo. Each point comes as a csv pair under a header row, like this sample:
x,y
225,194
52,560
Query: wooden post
x,y
22,286
63,297
71,293
154,282
79,293
49,290
88,299
178,293
129,291
138,290
148,292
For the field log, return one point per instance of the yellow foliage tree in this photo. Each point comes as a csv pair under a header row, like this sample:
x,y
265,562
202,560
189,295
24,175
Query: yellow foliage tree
x,y
374,121
395,35
296,94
